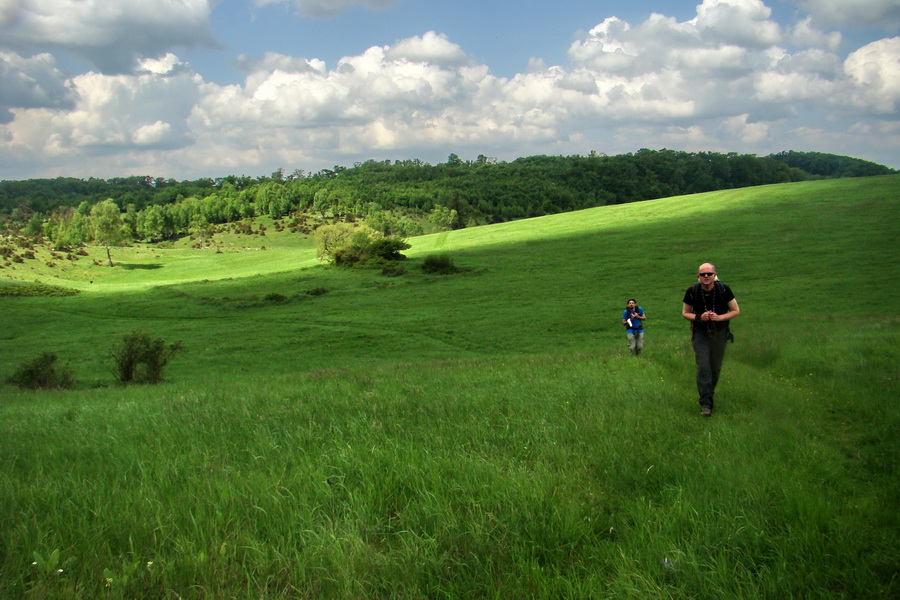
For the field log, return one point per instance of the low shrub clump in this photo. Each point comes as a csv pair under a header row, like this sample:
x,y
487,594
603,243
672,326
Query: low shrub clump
x,y
141,358
439,264
365,251
42,373
348,245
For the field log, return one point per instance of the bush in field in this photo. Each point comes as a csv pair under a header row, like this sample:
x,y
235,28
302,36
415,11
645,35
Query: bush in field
x,y
439,264
42,373
350,246
330,238
388,248
353,251
141,358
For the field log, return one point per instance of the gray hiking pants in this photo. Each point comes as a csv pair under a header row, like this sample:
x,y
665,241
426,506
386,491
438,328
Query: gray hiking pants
x,y
709,350
636,342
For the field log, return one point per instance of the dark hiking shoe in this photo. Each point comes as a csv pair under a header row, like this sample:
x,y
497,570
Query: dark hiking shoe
x,y
706,411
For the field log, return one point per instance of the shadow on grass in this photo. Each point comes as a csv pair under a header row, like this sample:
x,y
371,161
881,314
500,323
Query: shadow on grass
x,y
141,267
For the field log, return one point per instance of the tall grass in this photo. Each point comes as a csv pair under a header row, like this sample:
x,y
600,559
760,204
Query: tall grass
x,y
483,434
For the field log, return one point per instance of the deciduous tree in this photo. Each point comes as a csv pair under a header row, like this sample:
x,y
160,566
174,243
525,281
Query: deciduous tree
x,y
108,227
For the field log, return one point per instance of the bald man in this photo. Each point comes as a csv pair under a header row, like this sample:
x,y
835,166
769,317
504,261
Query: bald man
x,y
709,305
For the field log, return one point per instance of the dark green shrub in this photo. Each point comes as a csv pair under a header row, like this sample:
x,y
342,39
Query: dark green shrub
x,y
388,248
355,250
439,264
42,373
347,257
275,297
141,358
351,247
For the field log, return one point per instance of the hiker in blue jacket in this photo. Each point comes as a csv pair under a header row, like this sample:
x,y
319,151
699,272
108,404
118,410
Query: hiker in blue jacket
x,y
633,319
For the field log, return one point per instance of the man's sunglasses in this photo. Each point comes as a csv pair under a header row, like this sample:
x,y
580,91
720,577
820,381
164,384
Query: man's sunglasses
x,y
705,274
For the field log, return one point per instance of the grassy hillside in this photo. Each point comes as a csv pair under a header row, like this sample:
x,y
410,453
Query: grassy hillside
x,y
481,434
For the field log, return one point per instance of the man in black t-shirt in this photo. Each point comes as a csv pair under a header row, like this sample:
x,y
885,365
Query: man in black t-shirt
x,y
709,305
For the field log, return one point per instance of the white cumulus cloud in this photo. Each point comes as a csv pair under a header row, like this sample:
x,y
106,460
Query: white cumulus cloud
x,y
860,13
804,34
9,11
746,23
32,82
112,35
112,113
152,134
431,48
875,71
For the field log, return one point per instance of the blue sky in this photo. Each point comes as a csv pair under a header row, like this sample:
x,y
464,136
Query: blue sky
x,y
194,88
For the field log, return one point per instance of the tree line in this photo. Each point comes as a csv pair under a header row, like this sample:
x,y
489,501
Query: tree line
x,y
399,197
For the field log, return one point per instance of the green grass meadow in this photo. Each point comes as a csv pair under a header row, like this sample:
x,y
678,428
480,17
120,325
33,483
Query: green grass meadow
x,y
477,435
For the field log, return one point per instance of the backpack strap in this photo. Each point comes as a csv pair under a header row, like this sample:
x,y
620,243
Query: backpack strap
x,y
695,296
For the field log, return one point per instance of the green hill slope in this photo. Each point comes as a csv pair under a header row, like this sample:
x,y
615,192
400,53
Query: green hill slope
x,y
341,434
538,284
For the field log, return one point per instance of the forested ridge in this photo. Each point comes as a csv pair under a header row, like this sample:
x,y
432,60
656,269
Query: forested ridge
x,y
400,197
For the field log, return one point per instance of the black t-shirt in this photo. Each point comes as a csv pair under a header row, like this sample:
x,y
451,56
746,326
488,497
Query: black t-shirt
x,y
716,299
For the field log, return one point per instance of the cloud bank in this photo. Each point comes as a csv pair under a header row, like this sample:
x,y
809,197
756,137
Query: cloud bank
x,y
856,13
724,80
111,35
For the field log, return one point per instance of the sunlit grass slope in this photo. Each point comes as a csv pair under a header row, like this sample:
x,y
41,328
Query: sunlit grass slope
x,y
139,266
482,434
